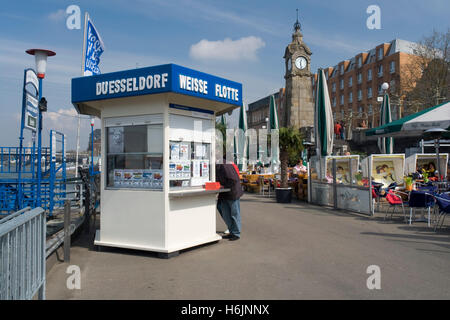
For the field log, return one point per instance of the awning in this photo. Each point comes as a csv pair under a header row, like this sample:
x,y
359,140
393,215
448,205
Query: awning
x,y
415,124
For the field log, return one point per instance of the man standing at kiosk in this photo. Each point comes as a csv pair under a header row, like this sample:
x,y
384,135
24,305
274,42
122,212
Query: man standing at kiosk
x,y
228,203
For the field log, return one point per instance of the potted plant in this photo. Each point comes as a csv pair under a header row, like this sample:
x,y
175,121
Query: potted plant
x,y
408,183
290,142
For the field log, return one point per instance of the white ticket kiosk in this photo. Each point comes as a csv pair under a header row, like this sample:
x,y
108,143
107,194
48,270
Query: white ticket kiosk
x,y
158,151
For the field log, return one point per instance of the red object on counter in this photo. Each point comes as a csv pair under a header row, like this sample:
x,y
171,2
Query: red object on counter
x,y
212,185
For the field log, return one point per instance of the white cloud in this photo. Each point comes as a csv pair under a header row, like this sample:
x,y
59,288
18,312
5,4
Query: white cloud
x,y
227,49
57,15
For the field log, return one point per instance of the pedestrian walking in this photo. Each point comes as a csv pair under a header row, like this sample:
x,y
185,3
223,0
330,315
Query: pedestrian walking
x,y
228,203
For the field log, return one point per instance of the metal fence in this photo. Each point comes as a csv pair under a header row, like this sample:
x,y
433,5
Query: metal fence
x,y
22,255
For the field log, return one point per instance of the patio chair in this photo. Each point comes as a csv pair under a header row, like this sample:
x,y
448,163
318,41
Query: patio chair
x,y
379,192
420,199
395,199
265,185
443,202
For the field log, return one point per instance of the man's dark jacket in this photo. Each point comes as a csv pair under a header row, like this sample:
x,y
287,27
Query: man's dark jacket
x,y
228,177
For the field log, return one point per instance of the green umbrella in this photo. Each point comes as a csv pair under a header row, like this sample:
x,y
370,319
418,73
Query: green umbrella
x,y
273,124
323,118
242,140
415,124
386,145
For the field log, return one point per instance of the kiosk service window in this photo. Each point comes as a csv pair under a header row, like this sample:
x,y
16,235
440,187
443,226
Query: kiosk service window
x,y
190,149
134,153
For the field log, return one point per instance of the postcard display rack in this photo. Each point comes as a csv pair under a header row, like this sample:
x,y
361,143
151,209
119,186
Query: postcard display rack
x,y
158,147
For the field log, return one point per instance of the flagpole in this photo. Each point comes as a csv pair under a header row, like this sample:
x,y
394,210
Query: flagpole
x,y
82,74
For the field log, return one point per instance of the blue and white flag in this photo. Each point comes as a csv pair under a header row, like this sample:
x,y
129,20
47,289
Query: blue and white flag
x,y
94,47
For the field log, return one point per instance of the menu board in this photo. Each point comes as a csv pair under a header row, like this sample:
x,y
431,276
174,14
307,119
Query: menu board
x,y
138,178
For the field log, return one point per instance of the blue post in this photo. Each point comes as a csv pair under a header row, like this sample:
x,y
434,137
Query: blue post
x,y
19,175
39,166
92,149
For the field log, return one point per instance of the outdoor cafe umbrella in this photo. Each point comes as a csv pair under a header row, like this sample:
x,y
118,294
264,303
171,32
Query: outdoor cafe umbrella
x,y
242,139
273,125
386,144
414,125
323,118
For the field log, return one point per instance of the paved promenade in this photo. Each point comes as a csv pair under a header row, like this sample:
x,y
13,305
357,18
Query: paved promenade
x,y
287,251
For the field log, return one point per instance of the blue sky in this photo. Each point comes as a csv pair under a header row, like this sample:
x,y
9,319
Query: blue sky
x,y
242,40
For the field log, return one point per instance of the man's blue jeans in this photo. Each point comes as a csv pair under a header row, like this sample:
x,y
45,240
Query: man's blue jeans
x,y
230,210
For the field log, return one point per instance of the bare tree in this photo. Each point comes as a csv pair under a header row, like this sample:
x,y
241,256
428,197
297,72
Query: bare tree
x,y
425,77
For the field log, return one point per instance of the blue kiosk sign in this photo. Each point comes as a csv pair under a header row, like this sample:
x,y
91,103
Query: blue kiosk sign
x,y
153,80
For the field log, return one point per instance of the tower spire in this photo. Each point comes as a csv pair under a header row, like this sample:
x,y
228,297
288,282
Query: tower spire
x,y
297,25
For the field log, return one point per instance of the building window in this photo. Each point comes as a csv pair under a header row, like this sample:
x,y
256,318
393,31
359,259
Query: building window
x,y
359,95
342,99
350,81
380,53
359,62
392,67
342,114
359,77
380,90
380,70
313,80
342,69
370,110
350,97
369,74
369,92
334,101
342,84
333,87
360,111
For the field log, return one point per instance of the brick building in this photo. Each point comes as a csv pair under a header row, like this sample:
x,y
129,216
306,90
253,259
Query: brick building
x,y
258,111
355,84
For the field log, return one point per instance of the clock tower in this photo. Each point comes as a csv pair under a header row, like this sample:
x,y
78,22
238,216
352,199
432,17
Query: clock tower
x,y
299,108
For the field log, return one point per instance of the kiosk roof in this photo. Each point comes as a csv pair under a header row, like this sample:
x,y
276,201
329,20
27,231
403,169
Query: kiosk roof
x,y
168,78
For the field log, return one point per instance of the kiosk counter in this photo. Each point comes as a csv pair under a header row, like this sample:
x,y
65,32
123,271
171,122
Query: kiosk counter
x,y
158,150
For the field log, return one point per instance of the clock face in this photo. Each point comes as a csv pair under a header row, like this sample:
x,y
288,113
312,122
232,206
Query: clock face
x,y
300,63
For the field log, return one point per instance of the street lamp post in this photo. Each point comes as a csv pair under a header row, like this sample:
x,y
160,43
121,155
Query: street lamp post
x,y
41,56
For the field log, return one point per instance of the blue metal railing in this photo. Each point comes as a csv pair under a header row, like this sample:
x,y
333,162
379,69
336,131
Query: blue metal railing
x,y
19,183
10,160
22,255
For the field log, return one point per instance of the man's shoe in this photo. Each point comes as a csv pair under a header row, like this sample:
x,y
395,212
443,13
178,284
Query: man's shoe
x,y
226,232
234,238
227,236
